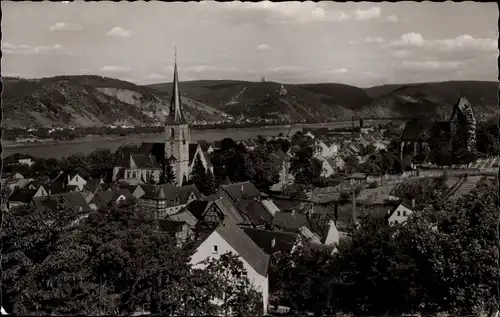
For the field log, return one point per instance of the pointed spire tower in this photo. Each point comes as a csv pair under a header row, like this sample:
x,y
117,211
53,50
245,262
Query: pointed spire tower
x,y
177,134
175,114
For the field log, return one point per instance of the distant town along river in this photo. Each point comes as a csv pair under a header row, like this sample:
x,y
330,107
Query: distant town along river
x,y
65,148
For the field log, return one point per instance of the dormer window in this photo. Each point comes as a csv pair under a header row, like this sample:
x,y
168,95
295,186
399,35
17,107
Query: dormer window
x,y
176,199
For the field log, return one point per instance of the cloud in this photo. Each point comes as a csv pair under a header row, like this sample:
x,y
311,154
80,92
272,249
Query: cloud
x,y
119,32
462,42
369,14
155,76
374,40
286,69
63,26
410,39
23,49
114,69
263,47
392,18
428,65
208,68
336,71
301,12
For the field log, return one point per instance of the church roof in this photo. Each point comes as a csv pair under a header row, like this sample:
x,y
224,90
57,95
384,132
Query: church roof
x,y
175,115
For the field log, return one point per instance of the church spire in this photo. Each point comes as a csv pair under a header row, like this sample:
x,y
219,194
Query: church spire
x,y
175,114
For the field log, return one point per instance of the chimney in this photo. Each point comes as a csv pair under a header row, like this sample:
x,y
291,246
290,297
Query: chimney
x,y
273,242
413,203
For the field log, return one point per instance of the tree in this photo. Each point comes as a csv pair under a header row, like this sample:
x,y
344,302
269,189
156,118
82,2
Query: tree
x,y
168,175
306,280
231,287
425,192
198,174
455,251
112,262
210,185
262,167
29,237
100,162
76,163
305,167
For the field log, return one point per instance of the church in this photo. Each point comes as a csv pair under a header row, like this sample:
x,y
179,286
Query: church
x,y
457,135
145,163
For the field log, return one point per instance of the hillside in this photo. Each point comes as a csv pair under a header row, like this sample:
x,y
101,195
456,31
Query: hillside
x,y
432,99
261,99
337,101
89,101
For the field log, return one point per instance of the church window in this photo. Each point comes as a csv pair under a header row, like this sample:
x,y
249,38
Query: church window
x,y
183,138
172,133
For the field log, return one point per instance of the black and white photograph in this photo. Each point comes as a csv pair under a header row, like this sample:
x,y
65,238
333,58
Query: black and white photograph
x,y
250,159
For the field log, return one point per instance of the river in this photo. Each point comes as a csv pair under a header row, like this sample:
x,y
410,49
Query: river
x,y
86,146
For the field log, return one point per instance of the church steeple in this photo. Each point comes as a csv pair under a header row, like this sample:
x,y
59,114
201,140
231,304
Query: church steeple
x,y
175,115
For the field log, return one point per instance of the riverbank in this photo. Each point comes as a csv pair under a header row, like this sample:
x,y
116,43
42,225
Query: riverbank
x,y
112,138
86,146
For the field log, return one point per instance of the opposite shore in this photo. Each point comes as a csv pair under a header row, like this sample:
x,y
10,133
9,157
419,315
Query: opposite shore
x,y
6,144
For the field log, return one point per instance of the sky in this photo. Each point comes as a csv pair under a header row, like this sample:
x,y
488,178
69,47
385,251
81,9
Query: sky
x,y
363,44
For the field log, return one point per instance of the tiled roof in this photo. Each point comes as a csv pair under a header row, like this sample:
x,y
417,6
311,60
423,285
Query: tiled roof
x,y
103,198
92,184
207,159
244,246
255,211
169,193
309,235
22,195
145,161
289,221
377,195
238,191
71,200
192,151
184,216
230,211
283,241
416,129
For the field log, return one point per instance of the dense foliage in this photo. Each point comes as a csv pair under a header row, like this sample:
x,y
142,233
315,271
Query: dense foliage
x,y
115,261
440,261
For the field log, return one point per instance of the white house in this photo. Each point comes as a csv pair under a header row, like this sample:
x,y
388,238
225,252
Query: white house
x,y
333,236
324,149
77,181
228,237
328,168
401,213
197,150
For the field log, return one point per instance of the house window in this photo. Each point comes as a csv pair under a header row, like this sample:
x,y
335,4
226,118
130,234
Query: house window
x,y
399,213
133,174
404,213
215,250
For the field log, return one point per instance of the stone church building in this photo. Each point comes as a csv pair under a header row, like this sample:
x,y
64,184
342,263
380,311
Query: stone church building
x,y
457,134
145,163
